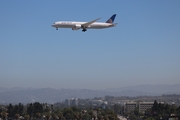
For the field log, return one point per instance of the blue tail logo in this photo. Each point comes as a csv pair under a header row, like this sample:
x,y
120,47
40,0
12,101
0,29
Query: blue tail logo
x,y
111,20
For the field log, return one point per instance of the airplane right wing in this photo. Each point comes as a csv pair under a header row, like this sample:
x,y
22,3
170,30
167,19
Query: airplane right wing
x,y
85,25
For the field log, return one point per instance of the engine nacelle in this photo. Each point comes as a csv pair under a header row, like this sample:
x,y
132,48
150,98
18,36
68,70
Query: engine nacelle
x,y
76,27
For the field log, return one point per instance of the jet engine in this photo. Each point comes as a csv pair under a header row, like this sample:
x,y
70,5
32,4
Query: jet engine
x,y
76,27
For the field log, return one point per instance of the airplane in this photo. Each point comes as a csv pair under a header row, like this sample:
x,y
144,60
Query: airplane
x,y
86,25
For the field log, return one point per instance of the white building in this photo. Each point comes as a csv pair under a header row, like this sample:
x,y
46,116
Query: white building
x,y
142,106
98,102
130,106
71,102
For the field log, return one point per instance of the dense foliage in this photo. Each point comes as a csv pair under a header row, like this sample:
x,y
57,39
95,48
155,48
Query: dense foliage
x,y
44,111
38,111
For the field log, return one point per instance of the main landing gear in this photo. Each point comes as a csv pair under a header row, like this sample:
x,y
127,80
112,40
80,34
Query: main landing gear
x,y
56,28
84,30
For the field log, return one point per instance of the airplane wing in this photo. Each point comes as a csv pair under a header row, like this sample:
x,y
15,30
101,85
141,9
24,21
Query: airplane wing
x,y
85,25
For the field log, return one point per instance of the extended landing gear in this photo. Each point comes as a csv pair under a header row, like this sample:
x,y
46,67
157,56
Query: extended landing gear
x,y
84,30
56,28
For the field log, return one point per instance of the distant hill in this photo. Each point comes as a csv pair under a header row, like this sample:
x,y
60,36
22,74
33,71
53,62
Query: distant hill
x,y
152,89
50,95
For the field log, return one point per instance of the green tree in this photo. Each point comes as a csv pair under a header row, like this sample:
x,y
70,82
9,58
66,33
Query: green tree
x,y
26,117
117,108
68,113
155,108
47,116
80,115
86,116
76,115
105,118
30,109
60,115
20,108
4,115
54,116
38,115
136,111
93,116
75,109
178,111
149,118
173,109
37,108
132,116
17,116
148,113
34,108
10,111
100,117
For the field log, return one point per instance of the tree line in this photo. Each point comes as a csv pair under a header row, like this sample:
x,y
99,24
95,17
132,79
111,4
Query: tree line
x,y
42,111
39,111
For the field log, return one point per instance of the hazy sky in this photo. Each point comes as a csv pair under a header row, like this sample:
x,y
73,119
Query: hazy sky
x,y
144,48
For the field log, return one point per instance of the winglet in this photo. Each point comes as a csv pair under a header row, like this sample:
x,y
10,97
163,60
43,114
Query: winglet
x,y
111,19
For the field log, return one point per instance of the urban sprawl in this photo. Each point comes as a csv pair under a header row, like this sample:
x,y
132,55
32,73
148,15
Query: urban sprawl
x,y
165,107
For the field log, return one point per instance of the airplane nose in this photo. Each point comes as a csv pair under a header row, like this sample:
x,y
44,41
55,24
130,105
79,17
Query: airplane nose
x,y
53,25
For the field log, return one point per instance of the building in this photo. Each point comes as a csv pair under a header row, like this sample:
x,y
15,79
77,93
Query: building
x,y
130,106
97,103
119,102
71,102
68,102
142,106
74,102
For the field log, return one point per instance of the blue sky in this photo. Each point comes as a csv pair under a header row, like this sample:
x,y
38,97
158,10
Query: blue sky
x,y
144,48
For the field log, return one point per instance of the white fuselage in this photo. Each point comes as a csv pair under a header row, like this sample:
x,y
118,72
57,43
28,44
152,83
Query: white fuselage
x,y
77,25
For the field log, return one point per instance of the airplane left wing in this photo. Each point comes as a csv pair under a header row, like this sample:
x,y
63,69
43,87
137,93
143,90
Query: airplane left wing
x,y
85,25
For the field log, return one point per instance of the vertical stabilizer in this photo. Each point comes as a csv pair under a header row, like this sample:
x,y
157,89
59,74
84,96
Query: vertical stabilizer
x,y
111,19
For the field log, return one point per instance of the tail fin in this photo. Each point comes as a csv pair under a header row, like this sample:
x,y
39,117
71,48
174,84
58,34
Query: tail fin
x,y
111,20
